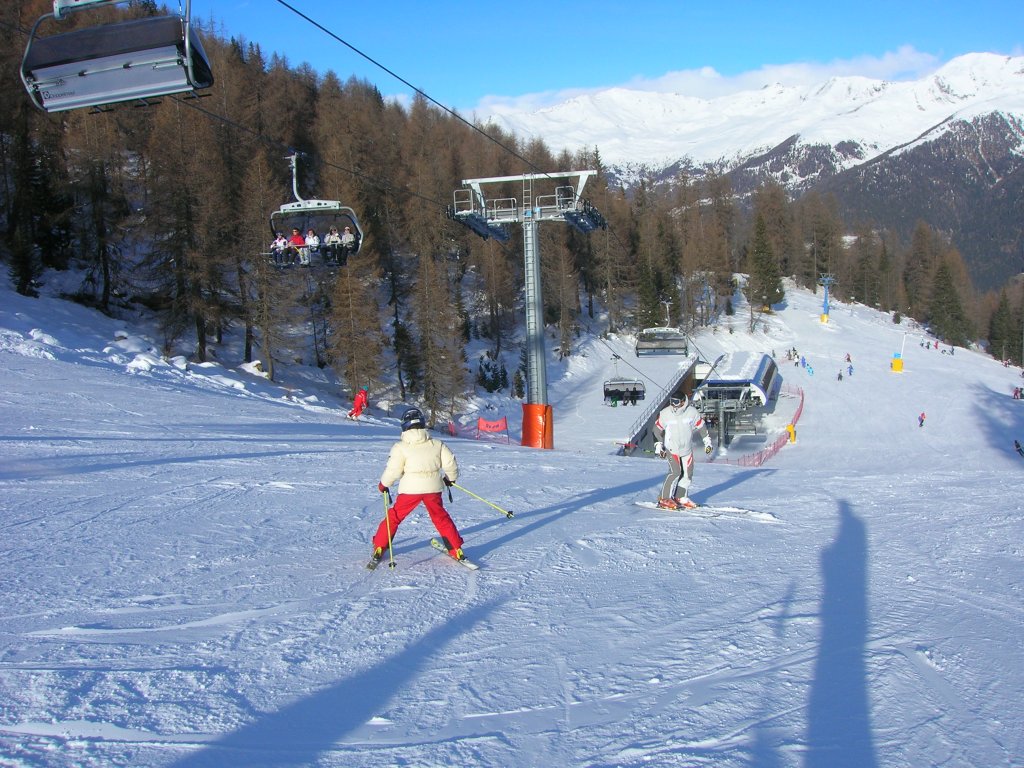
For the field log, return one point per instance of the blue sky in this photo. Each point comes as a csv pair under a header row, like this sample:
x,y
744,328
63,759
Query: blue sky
x,y
530,53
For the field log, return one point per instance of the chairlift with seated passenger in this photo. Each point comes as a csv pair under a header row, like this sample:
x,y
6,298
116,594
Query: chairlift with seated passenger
x,y
622,389
323,217
129,60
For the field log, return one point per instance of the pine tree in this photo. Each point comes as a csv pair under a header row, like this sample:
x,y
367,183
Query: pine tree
x,y
440,344
37,205
772,203
947,318
1003,337
919,272
764,284
822,237
357,341
872,268
499,292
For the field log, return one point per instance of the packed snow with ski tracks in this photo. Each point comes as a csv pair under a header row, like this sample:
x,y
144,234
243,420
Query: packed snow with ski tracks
x,y
183,551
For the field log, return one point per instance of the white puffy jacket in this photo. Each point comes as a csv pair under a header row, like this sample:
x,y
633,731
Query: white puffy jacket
x,y
418,461
675,428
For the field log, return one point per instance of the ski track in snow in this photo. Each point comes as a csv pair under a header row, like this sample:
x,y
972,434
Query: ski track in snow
x,y
183,556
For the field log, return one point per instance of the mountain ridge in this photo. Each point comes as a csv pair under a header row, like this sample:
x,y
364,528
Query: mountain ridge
x,y
947,149
667,127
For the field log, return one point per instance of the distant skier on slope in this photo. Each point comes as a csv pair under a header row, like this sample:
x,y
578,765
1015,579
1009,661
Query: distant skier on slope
x,y
425,466
1019,447
358,404
673,431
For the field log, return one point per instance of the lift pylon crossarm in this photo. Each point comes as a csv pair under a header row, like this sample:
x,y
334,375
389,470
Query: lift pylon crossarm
x,y
62,6
479,224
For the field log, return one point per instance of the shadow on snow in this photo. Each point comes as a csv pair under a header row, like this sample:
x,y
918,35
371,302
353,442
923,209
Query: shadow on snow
x,y
298,733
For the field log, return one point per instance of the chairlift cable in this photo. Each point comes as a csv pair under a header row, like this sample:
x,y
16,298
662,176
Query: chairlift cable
x,y
405,82
626,362
384,185
380,184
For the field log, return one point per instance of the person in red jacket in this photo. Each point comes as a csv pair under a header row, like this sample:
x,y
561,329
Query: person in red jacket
x,y
296,244
358,404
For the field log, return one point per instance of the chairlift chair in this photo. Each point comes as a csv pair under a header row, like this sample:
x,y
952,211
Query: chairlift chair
x,y
622,389
130,60
664,338
619,389
318,215
667,340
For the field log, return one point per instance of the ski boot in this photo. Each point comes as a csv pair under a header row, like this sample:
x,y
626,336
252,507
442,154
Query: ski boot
x,y
455,552
375,558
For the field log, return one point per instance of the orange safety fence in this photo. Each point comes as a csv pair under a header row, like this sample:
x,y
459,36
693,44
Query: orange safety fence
x,y
501,425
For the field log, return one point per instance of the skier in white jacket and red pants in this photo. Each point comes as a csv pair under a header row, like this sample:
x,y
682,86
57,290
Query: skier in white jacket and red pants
x,y
674,432
425,466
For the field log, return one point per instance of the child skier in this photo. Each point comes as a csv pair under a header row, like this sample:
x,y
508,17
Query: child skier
x,y
425,466
674,432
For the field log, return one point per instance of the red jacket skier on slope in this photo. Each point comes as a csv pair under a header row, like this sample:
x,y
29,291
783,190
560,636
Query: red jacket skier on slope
x,y
674,432
358,404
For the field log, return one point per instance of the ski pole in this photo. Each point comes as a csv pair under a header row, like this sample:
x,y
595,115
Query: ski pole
x,y
387,520
506,512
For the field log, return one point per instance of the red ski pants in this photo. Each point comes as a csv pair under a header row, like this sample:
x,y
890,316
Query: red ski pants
x,y
406,503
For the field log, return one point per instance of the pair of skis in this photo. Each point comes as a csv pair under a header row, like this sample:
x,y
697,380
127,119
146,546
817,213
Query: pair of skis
x,y
707,510
436,544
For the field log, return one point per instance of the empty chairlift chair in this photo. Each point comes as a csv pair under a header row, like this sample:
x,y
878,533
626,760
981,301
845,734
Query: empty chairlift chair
x,y
130,60
670,341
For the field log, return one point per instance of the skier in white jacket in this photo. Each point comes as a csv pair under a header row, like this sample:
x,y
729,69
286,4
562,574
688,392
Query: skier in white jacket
x,y
425,466
673,431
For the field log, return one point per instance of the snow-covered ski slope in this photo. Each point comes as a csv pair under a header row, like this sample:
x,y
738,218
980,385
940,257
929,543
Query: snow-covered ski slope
x,y
183,583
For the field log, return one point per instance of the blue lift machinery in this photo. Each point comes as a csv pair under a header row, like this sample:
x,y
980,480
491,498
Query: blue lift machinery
x,y
130,60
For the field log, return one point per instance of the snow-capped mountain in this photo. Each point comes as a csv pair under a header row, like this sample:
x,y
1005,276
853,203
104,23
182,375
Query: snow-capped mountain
x,y
947,149
860,117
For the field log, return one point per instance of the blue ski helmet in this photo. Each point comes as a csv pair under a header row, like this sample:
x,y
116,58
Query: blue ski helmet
x,y
413,419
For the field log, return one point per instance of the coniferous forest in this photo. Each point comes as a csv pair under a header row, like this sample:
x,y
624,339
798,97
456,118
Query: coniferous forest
x,y
167,207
